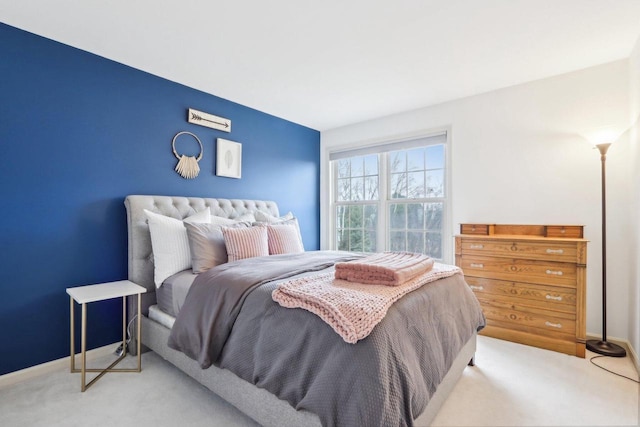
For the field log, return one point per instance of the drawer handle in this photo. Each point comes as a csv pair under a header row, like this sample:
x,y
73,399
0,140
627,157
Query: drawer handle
x,y
554,272
476,288
476,246
553,325
555,251
476,265
555,298
514,247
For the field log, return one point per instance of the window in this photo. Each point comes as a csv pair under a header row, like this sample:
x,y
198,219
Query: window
x,y
357,192
391,197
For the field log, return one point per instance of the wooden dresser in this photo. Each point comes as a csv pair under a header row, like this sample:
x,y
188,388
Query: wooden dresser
x,y
530,281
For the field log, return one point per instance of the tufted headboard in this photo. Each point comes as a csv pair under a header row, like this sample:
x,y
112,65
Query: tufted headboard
x,y
140,254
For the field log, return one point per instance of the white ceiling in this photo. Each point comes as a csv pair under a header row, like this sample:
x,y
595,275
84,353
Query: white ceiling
x,y
329,63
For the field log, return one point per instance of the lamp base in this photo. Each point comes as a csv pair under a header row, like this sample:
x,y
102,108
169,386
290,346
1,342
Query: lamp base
x,y
606,348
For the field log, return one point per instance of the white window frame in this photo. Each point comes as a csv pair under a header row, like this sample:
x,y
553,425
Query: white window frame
x,y
383,203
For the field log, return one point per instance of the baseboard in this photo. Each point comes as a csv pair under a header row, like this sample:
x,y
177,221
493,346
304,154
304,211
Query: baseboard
x,y
623,343
55,365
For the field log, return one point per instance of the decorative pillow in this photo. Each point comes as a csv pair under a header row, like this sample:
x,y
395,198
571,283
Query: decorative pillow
x,y
270,219
284,239
206,244
288,218
170,243
219,220
247,218
244,243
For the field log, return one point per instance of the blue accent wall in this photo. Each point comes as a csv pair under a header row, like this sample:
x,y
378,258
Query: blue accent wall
x,y
78,133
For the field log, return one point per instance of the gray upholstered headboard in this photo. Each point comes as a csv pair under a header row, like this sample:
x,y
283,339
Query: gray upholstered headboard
x,y
140,254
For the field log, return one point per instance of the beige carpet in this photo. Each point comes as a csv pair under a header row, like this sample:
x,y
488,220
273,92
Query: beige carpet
x,y
511,385
517,385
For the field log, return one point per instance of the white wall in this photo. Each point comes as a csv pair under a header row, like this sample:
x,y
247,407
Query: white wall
x,y
634,252
519,156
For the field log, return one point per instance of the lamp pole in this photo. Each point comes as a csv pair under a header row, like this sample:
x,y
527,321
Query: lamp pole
x,y
602,346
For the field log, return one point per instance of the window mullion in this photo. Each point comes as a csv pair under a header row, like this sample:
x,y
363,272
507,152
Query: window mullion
x,y
336,204
383,202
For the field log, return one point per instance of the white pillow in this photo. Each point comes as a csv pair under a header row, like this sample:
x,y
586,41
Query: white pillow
x,y
170,243
247,218
270,219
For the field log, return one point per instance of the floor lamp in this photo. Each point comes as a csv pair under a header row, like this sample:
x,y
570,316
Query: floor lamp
x,y
602,346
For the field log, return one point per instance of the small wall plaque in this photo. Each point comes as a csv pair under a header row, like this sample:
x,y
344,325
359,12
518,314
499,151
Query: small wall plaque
x,y
208,120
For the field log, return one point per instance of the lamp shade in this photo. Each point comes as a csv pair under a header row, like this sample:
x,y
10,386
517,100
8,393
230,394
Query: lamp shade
x,y
603,135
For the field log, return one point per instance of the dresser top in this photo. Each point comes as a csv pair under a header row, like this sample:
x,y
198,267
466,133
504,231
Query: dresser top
x,y
511,231
522,237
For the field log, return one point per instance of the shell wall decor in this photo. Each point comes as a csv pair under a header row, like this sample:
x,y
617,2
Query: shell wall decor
x,y
187,166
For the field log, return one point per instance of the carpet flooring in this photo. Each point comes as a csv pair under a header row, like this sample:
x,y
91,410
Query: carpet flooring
x,y
511,385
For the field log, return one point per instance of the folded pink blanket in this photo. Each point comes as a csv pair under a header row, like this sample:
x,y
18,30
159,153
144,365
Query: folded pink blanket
x,y
384,268
351,309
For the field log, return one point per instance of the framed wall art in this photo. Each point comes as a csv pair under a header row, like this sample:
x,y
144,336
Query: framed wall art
x,y
228,158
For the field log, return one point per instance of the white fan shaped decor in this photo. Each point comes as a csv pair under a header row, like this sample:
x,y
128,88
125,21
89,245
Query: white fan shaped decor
x,y
187,166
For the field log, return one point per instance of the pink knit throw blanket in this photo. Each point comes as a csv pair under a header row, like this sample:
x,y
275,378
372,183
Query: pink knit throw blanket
x,y
385,268
351,309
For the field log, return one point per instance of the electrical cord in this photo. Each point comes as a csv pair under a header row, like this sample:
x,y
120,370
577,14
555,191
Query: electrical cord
x,y
614,373
123,349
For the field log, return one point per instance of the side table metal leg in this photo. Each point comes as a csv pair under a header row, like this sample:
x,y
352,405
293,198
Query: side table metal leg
x,y
124,325
138,334
72,359
84,346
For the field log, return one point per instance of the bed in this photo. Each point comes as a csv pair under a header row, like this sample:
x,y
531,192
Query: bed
x,y
233,383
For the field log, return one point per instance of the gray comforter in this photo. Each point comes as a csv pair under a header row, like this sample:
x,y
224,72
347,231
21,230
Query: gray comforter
x,y
386,379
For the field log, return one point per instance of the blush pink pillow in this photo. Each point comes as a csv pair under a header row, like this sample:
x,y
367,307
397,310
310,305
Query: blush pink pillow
x,y
244,243
284,239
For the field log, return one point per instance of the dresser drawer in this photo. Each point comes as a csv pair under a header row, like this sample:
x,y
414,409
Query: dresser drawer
x,y
555,342
566,231
545,251
529,320
519,270
482,229
542,296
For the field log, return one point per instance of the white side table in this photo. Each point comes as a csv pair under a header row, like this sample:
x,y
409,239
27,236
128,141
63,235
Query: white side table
x,y
91,293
